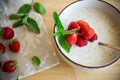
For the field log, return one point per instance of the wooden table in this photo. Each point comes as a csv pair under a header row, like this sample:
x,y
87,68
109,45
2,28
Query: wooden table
x,y
63,71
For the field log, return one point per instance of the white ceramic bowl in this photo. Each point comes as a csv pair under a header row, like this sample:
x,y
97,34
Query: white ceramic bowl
x,y
104,19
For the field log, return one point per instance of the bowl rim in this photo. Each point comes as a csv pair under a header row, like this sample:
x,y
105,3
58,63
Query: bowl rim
x,y
78,64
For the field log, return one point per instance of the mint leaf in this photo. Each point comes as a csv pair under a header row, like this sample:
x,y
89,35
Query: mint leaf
x,y
58,22
24,9
69,31
15,16
64,44
25,19
17,24
32,25
58,33
36,61
39,8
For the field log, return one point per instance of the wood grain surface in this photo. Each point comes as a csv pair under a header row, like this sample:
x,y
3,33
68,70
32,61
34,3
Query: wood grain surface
x,y
63,71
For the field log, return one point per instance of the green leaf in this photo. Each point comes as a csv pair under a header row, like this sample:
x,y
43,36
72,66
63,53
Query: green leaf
x,y
24,9
36,61
17,78
58,22
64,44
69,31
39,8
15,16
17,24
32,25
58,33
25,19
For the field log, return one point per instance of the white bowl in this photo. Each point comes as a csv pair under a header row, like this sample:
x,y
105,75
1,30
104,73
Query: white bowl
x,y
104,19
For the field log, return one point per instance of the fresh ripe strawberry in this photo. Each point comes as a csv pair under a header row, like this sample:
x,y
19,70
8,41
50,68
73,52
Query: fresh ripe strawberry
x,y
95,37
2,48
7,33
71,38
74,25
14,45
9,66
81,41
83,24
88,33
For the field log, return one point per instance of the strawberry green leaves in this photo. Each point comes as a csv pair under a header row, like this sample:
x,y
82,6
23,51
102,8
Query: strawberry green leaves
x,y
39,8
61,33
22,17
36,61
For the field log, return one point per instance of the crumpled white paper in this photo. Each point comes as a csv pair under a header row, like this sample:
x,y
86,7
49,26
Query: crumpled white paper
x,y
31,44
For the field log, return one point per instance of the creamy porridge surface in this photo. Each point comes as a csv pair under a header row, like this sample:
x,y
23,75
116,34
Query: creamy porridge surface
x,y
107,30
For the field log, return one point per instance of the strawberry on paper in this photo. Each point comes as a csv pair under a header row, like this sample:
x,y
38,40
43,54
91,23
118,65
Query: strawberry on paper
x,y
7,33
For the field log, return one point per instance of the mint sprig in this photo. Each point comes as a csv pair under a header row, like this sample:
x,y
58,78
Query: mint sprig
x,y
22,17
61,33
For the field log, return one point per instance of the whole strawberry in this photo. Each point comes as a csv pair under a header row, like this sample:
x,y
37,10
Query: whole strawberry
x,y
88,33
95,37
81,41
74,25
7,33
2,48
71,38
14,45
83,24
9,66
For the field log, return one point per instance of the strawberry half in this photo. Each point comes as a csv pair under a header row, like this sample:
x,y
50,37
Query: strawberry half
x,y
9,66
88,33
74,25
71,38
7,33
2,48
14,45
81,41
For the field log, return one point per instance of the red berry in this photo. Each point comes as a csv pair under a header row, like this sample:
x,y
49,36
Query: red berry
x,y
83,24
81,41
74,25
88,33
71,38
7,33
95,37
2,48
14,45
9,66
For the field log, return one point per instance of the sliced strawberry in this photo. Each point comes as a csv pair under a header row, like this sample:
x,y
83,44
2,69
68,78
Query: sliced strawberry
x,y
88,33
95,37
7,33
83,24
74,25
9,66
14,45
2,48
81,41
71,38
